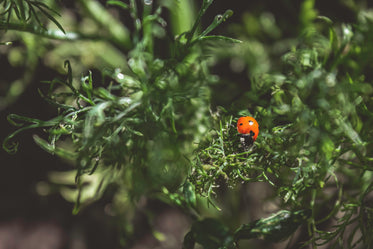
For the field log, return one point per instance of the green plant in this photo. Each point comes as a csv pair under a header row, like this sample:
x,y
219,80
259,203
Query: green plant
x,y
27,12
136,126
314,141
211,233
148,127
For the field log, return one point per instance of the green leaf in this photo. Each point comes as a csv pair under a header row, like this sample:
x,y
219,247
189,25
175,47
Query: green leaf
x,y
43,8
218,38
54,150
69,74
203,9
189,194
55,103
328,147
88,88
275,228
211,234
118,3
37,18
20,11
12,148
217,21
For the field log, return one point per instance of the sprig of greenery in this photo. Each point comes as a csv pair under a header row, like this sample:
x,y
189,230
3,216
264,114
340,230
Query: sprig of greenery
x,y
132,121
211,233
313,138
27,11
137,126
50,34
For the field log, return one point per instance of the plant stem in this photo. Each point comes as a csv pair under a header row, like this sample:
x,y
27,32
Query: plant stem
x,y
51,34
117,31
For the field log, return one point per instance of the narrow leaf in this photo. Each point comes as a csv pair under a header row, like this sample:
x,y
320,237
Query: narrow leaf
x,y
217,21
118,3
41,6
54,150
218,38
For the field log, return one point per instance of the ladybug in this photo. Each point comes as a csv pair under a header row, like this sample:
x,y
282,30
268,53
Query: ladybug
x,y
248,128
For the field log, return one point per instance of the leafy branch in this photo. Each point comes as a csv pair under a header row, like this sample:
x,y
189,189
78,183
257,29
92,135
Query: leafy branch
x,y
211,233
27,11
50,34
130,122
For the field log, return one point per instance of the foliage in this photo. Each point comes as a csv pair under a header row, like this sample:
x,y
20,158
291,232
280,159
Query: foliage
x,y
210,233
27,12
133,123
149,127
316,136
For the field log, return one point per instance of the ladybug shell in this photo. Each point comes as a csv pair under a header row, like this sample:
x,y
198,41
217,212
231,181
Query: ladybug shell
x,y
248,125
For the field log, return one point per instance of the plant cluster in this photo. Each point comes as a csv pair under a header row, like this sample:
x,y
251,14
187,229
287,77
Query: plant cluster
x,y
32,13
138,123
147,128
316,142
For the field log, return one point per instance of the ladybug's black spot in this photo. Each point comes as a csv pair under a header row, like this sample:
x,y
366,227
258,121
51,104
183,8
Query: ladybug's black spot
x,y
252,133
241,123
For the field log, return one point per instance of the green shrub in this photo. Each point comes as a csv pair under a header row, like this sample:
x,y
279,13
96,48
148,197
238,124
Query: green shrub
x,y
149,127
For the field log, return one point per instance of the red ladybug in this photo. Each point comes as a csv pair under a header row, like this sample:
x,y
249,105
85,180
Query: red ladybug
x,y
248,126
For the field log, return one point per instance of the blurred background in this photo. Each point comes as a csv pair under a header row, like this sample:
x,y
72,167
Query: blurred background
x,y
33,215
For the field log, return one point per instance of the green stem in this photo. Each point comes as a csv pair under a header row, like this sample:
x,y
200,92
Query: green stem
x,y
147,29
100,15
51,34
205,5
182,16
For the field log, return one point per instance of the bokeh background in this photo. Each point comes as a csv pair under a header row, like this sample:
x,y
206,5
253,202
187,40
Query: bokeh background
x,y
34,216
